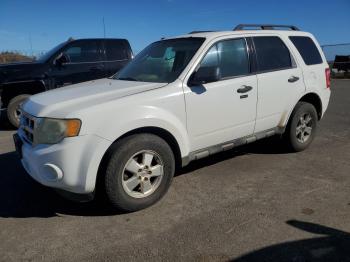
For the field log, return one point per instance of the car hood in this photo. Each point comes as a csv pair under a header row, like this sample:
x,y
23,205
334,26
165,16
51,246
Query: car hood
x,y
62,101
19,71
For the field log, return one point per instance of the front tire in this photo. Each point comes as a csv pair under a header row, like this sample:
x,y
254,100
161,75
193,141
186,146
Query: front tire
x,y
139,172
13,109
302,127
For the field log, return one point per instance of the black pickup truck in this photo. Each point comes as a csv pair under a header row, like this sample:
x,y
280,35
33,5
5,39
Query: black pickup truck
x,y
71,62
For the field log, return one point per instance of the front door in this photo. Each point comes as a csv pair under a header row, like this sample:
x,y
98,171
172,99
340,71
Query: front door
x,y
224,110
84,63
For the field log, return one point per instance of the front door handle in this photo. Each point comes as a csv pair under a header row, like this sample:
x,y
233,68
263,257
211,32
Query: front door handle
x,y
244,89
293,79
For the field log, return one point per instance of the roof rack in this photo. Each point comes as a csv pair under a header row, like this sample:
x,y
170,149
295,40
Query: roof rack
x,y
198,32
265,27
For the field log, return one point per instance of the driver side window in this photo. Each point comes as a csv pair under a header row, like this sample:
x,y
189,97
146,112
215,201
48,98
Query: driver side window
x,y
211,59
230,56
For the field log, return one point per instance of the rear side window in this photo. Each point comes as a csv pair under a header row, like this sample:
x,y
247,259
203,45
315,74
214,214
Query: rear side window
x,y
116,50
230,56
307,49
272,53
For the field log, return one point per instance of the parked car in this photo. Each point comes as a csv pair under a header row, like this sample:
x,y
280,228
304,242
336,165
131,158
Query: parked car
x,y
179,100
342,63
69,63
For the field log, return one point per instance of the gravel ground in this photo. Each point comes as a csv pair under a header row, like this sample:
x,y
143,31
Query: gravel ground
x,y
255,203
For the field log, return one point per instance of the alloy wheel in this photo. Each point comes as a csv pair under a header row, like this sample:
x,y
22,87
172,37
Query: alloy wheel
x,y
304,128
142,174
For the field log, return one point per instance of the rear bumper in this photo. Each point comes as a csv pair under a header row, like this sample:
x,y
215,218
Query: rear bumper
x,y
325,97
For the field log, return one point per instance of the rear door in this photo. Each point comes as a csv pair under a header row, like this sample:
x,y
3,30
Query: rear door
x,y
280,81
117,55
84,63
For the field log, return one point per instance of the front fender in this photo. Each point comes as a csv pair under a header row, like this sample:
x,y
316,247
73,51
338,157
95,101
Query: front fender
x,y
162,107
148,116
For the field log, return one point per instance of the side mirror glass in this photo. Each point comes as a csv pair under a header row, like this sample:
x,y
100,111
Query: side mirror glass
x,y
204,75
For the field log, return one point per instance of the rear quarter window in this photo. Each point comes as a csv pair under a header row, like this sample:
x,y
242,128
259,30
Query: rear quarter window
x,y
307,49
116,50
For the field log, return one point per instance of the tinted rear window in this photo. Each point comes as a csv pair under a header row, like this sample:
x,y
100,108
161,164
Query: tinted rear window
x,y
272,53
307,49
116,50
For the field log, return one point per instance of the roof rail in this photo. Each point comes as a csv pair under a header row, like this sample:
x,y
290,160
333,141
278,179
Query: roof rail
x,y
265,27
198,32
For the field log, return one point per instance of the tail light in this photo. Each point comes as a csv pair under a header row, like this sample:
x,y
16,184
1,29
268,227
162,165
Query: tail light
x,y
328,77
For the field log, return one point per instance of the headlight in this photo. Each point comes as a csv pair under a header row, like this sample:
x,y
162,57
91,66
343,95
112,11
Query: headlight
x,y
52,131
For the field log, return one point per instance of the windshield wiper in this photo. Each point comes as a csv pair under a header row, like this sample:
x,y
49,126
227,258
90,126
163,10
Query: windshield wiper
x,y
127,78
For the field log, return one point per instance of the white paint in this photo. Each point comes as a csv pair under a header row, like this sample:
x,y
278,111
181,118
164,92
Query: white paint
x,y
110,108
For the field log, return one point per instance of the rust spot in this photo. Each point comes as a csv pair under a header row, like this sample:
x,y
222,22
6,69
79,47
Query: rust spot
x,y
283,119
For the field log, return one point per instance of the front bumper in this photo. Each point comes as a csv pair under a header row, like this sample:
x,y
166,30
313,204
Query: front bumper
x,y
71,165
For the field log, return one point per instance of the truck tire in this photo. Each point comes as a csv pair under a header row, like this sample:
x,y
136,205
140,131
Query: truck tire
x,y
302,126
13,107
139,172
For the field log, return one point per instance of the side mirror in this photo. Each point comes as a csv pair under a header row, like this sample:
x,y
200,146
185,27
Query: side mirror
x,y
61,59
204,75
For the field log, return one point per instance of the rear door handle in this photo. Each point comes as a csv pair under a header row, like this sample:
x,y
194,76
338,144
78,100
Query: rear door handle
x,y
293,79
244,89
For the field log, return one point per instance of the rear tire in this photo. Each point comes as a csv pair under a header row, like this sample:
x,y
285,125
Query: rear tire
x,y
302,126
13,107
139,172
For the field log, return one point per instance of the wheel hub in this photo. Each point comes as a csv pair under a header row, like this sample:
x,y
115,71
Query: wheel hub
x,y
304,128
142,174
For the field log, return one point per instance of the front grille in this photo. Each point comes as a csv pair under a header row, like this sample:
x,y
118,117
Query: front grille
x,y
27,124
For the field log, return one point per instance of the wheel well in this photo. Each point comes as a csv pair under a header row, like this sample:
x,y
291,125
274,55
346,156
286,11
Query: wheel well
x,y
315,100
167,136
15,89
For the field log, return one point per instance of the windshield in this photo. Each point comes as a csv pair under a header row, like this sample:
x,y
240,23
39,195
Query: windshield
x,y
161,62
49,54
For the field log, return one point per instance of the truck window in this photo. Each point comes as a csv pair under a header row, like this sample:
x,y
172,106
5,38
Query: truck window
x,y
272,54
116,50
307,49
84,51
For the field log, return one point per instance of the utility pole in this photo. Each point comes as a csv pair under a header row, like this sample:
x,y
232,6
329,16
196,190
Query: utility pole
x,y
31,44
104,27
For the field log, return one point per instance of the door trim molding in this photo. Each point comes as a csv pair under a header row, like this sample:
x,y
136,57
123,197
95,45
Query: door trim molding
x,y
202,153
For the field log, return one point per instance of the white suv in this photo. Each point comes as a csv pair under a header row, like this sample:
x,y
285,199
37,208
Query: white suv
x,y
179,100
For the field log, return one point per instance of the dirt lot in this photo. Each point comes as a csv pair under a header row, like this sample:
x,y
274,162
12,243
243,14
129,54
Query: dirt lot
x,y
255,203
